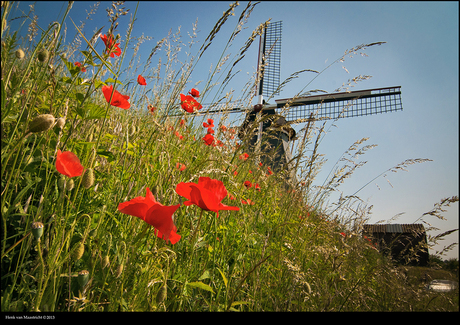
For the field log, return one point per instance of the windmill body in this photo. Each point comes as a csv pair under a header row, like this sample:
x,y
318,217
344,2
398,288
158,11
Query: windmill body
x,y
266,131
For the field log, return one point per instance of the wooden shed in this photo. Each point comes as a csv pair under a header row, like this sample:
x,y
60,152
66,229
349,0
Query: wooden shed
x,y
405,243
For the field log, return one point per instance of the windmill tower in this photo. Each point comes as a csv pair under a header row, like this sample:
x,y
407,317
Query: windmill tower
x,y
267,131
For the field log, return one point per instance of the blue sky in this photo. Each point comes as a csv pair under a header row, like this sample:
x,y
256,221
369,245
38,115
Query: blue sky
x,y
421,56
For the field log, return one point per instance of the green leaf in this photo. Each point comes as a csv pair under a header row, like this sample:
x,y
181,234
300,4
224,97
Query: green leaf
x,y
200,285
206,275
223,277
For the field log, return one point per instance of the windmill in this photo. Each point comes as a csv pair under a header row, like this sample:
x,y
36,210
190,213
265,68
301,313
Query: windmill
x,y
267,127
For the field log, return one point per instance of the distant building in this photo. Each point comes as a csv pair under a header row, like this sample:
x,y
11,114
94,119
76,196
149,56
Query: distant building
x,y
404,243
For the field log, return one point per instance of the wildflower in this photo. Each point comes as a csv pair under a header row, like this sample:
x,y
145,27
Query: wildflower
x,y
110,45
194,92
41,123
68,164
257,186
154,213
180,166
141,80
210,131
189,104
210,123
179,135
82,68
223,128
207,194
118,99
244,156
248,201
209,139
151,108
182,122
343,234
248,184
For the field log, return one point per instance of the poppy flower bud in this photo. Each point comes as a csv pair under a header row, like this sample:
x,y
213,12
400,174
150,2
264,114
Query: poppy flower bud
x,y
60,122
132,130
61,183
41,123
105,261
70,184
37,229
162,294
19,54
43,55
83,277
119,270
88,178
78,250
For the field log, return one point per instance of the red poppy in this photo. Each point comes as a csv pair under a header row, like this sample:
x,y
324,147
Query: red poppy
x,y
110,45
189,104
179,135
247,202
343,234
154,213
207,194
118,99
180,166
244,156
209,139
210,123
151,108
210,131
141,80
68,164
257,186
248,184
223,128
194,92
82,68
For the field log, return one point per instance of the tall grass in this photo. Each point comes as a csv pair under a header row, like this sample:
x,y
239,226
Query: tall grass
x,y
282,251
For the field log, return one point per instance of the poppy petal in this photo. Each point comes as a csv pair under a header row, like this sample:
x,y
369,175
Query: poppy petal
x,y
68,164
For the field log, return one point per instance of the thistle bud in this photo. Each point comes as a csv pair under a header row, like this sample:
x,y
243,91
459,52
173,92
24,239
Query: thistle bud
x,y
43,55
83,277
162,294
78,250
41,123
19,54
37,229
88,178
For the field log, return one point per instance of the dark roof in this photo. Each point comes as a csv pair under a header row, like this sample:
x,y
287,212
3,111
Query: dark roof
x,y
394,228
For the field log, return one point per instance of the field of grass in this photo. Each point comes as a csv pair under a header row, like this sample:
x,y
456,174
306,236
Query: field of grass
x,y
110,203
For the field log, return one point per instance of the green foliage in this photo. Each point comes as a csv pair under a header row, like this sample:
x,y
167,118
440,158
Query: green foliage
x,y
277,253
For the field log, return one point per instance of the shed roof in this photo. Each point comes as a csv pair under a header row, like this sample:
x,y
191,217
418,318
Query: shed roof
x,y
394,228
